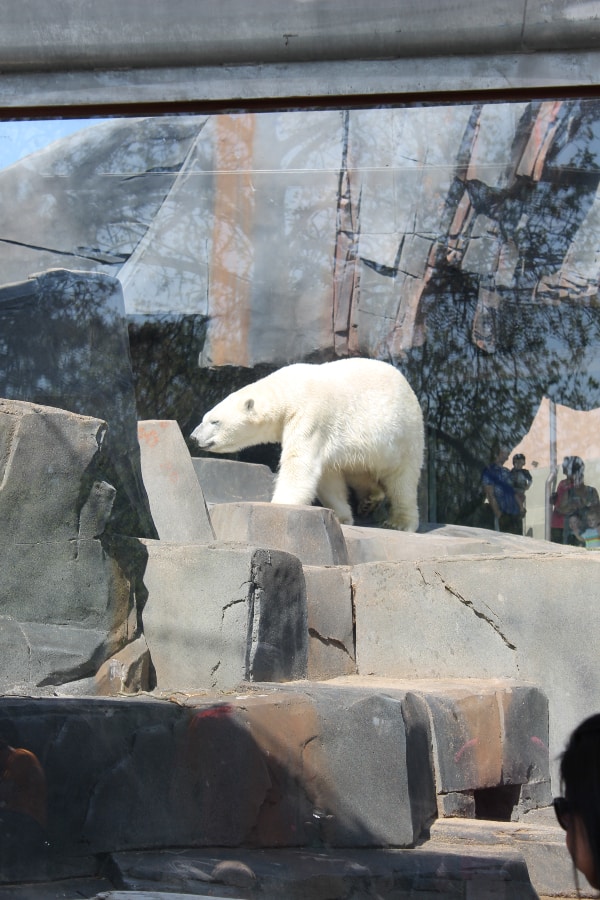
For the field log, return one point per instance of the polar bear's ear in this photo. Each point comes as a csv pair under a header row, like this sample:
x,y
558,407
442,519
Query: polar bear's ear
x,y
249,404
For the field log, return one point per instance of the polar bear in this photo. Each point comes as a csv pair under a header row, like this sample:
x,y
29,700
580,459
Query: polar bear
x,y
350,423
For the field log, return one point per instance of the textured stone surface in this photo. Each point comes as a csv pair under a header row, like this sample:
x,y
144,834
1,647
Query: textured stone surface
x,y
343,764
46,455
225,480
35,654
176,500
124,774
311,533
270,768
110,768
218,615
69,889
392,257
66,603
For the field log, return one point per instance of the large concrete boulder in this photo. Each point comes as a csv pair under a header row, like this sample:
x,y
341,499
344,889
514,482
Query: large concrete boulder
x,y
68,332
471,748
66,603
372,753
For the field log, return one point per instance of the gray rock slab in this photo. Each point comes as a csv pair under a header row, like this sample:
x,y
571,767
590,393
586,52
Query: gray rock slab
x,y
63,653
542,846
311,533
69,332
218,615
367,544
504,616
524,713
330,622
222,771
309,764
176,499
226,480
66,601
482,874
124,774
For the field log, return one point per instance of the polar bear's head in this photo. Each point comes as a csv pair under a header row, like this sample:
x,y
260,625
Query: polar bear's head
x,y
241,420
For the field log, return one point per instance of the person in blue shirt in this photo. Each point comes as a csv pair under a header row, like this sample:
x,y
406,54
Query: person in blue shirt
x,y
500,493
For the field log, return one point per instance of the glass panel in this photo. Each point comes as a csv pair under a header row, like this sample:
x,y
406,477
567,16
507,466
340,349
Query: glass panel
x,y
151,266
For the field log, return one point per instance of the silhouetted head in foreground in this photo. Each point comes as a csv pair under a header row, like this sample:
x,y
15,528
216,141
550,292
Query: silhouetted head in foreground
x,y
579,810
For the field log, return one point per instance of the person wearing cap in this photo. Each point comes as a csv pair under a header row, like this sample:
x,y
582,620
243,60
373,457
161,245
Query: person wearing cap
x,y
500,493
521,480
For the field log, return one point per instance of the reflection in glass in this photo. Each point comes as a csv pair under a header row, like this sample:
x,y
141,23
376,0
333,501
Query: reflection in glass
x,y
458,242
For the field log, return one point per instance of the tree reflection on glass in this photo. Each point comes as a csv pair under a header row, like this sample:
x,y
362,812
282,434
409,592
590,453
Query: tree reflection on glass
x,y
458,242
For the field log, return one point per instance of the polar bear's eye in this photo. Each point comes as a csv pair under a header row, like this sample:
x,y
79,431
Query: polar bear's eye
x,y
213,422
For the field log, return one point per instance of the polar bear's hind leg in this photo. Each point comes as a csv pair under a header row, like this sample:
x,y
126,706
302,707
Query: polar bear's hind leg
x,y
401,490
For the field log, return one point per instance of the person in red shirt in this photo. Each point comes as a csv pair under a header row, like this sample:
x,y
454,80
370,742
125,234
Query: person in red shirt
x,y
557,522
573,497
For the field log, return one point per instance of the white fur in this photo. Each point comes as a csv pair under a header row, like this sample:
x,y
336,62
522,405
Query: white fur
x,y
353,422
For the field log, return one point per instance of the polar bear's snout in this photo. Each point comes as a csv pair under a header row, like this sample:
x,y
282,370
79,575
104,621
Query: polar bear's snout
x,y
204,435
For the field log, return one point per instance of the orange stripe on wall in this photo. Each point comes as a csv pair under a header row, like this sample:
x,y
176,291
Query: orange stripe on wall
x,y
232,260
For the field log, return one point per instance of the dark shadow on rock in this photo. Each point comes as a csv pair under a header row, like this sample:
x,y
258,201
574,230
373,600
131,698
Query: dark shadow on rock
x,y
65,344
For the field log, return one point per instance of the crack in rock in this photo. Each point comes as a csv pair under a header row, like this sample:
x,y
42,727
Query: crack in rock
x,y
478,613
330,642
